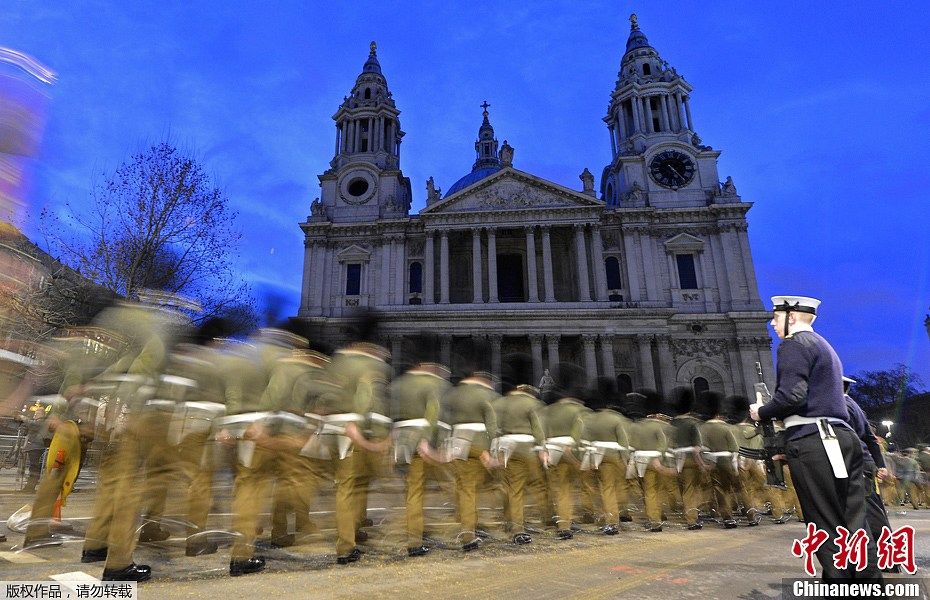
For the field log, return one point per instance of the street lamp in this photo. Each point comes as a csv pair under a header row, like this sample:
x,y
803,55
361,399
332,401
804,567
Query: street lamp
x,y
888,425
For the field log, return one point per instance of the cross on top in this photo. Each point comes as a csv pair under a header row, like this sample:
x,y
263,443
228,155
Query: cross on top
x,y
485,106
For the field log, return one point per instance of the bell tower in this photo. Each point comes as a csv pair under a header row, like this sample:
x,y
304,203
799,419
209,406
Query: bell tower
x,y
657,158
364,181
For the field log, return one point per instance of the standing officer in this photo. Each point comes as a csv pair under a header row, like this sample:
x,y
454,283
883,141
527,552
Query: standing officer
x,y
824,454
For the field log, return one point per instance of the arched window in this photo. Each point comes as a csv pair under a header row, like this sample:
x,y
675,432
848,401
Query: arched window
x,y
612,265
624,384
700,385
415,282
647,70
367,93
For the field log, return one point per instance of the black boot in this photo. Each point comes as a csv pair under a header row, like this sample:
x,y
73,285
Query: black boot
x,y
351,557
133,572
249,565
153,532
472,545
522,538
417,551
89,556
201,548
564,534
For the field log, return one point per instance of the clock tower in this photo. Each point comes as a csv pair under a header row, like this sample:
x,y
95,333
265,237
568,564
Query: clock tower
x,y
364,181
658,159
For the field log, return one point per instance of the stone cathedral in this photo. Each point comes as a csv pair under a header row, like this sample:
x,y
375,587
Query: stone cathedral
x,y
647,278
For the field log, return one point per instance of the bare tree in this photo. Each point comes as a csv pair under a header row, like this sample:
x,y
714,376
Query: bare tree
x,y
876,389
158,222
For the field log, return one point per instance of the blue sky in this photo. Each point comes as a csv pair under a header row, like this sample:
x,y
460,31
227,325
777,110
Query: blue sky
x,y
822,110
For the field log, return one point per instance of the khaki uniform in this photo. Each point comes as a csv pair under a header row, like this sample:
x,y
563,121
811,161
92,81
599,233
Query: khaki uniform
x,y
521,430
668,482
469,406
415,406
687,442
564,424
752,489
116,505
648,438
606,431
719,439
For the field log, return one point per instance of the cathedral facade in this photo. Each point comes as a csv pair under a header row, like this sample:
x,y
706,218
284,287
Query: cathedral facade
x,y
647,278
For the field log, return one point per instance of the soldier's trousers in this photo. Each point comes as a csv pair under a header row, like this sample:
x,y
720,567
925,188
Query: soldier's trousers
x,y
416,484
468,476
652,500
368,466
251,490
561,477
724,482
752,484
611,478
160,462
195,463
692,489
524,474
50,486
293,476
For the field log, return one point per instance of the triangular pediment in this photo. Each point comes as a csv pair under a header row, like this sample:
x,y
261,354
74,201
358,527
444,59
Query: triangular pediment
x,y
353,252
510,189
684,242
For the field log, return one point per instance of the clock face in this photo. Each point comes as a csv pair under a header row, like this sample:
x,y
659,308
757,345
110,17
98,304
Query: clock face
x,y
672,169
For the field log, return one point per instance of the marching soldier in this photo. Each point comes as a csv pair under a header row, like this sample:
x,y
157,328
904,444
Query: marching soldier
x,y
721,454
689,462
606,432
564,424
415,401
521,432
751,473
471,415
923,459
647,437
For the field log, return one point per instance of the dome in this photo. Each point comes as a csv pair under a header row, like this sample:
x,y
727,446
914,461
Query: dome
x,y
472,178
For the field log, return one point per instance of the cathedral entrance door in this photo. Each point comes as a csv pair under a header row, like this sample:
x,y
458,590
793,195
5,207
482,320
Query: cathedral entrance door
x,y
510,278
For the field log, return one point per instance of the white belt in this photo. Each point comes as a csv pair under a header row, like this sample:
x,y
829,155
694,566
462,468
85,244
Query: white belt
x,y
290,417
411,423
640,462
175,380
160,403
646,454
609,445
214,407
798,420
561,440
831,444
720,453
243,418
518,438
477,427
443,425
686,449
342,419
380,418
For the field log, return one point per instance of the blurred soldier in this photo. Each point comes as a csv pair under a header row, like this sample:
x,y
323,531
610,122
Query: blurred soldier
x,y
415,406
246,370
721,455
751,473
608,445
520,431
923,459
564,425
38,436
887,485
471,415
647,437
360,373
689,462
149,330
669,490
909,477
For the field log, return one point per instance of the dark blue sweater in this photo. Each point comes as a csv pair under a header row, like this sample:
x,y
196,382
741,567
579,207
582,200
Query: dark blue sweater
x,y
808,382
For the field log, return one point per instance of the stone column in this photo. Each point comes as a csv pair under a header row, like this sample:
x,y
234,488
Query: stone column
x,y
384,293
444,268
688,113
495,340
531,264
400,270
633,268
613,141
552,345
536,352
338,139
678,124
306,283
581,256
492,265
356,143
666,364
547,265
649,270
428,269
445,351
751,283
588,341
748,357
600,272
736,369
477,296
607,356
397,342
325,276
648,104
666,123
647,369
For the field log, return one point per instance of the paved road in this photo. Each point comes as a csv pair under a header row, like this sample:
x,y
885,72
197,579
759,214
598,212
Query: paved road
x,y
713,563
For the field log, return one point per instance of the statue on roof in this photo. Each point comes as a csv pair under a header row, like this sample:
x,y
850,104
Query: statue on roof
x,y
432,192
506,154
